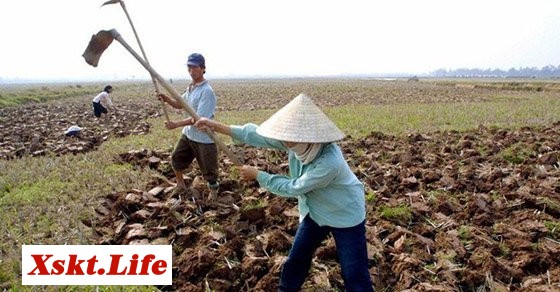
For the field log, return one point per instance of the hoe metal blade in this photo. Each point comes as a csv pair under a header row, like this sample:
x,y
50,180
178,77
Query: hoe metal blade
x,y
97,45
111,2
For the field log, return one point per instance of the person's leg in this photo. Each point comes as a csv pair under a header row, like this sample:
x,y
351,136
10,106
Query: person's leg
x,y
296,268
180,178
100,112
105,114
181,158
207,157
351,248
96,110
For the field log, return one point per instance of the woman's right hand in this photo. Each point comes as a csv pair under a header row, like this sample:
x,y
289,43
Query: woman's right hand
x,y
204,124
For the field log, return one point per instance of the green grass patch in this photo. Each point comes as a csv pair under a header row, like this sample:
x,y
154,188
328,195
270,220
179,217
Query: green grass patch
x,y
553,229
36,93
398,119
254,204
36,192
505,250
464,232
16,96
549,204
117,169
516,153
371,196
406,118
159,138
400,213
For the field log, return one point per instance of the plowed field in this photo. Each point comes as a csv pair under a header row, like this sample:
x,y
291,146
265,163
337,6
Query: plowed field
x,y
475,210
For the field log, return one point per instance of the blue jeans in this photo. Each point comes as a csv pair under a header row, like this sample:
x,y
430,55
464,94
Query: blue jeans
x,y
350,247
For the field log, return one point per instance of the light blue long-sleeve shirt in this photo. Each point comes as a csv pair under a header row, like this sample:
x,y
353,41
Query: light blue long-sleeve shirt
x,y
326,188
202,100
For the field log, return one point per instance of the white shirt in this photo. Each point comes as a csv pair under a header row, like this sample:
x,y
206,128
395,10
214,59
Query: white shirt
x,y
103,97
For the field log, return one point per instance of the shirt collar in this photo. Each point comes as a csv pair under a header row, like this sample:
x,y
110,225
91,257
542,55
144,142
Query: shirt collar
x,y
195,85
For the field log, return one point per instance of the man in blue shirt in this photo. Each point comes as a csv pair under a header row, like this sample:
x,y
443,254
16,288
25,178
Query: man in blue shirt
x,y
330,197
194,144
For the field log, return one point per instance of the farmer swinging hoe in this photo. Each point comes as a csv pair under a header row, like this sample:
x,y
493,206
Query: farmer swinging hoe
x,y
102,40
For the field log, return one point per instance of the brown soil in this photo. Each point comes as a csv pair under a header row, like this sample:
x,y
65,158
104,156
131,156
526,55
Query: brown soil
x,y
476,219
38,129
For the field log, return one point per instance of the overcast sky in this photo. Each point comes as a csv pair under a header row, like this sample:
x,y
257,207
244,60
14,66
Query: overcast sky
x,y
44,39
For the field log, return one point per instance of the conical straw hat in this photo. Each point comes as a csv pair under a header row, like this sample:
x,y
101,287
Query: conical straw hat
x,y
300,121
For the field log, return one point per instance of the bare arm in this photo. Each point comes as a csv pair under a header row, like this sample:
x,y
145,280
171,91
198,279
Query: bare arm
x,y
204,123
172,102
170,125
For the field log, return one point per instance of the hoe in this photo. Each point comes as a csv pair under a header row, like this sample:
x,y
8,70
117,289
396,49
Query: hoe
x,y
121,2
103,39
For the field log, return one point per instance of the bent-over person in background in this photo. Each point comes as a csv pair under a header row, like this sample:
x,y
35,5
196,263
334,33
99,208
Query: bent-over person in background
x,y
102,101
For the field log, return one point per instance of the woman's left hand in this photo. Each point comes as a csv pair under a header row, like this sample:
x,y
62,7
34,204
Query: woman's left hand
x,y
247,172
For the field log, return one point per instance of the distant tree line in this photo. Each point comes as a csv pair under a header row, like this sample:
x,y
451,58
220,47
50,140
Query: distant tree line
x,y
549,71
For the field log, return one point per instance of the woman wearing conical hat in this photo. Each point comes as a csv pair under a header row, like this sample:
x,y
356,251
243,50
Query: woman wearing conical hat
x,y
330,197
